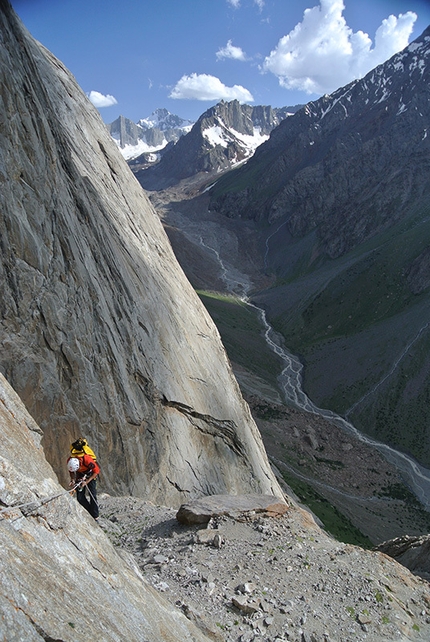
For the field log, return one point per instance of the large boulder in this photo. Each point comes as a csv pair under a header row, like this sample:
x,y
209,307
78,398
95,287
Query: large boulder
x,y
101,334
200,511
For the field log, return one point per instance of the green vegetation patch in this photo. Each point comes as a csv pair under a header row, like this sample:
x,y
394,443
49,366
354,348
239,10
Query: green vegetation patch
x,y
334,522
369,287
242,334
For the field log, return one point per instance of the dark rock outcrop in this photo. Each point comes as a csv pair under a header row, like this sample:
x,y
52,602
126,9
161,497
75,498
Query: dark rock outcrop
x,y
411,551
100,332
418,274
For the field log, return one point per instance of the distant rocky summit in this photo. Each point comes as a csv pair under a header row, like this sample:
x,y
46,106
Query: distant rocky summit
x,y
223,137
149,136
101,334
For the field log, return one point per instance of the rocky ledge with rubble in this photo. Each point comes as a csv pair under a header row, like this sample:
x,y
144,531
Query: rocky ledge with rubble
x,y
244,575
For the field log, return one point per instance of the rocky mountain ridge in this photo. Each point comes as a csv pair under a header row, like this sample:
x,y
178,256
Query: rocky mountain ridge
x,y
244,577
149,136
224,136
101,332
346,164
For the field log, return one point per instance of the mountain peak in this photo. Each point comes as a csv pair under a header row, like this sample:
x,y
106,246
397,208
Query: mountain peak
x,y
224,136
149,135
163,120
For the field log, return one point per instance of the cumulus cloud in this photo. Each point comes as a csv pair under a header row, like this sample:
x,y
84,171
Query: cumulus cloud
x,y
99,100
206,87
322,53
230,51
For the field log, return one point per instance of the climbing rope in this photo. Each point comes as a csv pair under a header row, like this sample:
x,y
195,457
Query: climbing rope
x,y
41,502
92,496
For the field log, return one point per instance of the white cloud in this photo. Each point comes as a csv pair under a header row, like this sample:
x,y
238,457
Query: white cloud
x,y
322,53
236,3
205,87
230,51
99,100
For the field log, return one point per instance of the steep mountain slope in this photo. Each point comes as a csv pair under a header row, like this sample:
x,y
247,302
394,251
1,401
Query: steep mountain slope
x,y
101,333
61,579
347,163
222,137
149,135
342,196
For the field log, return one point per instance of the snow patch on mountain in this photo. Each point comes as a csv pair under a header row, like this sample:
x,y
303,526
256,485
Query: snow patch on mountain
x,y
130,152
254,141
216,135
223,136
149,135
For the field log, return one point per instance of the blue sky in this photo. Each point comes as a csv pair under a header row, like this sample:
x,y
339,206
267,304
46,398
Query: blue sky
x,y
186,55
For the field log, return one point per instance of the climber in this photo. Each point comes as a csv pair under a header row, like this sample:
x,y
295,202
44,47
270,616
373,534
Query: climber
x,y
83,469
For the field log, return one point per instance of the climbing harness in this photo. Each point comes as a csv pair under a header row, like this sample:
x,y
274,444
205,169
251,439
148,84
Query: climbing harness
x,y
91,495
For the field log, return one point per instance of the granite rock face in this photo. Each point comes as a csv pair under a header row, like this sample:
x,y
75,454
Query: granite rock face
x,y
60,577
100,332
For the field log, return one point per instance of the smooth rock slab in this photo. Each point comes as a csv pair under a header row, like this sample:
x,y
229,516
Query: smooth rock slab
x,y
201,510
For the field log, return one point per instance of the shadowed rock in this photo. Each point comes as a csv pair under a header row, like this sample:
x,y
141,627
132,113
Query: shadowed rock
x,y
411,551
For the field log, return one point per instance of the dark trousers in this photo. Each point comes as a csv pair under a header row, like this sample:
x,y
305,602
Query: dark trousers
x,y
91,506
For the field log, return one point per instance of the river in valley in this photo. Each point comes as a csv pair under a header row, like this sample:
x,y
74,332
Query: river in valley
x,y
216,241
415,475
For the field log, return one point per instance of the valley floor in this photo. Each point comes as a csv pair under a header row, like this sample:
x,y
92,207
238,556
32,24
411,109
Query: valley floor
x,y
330,469
359,496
